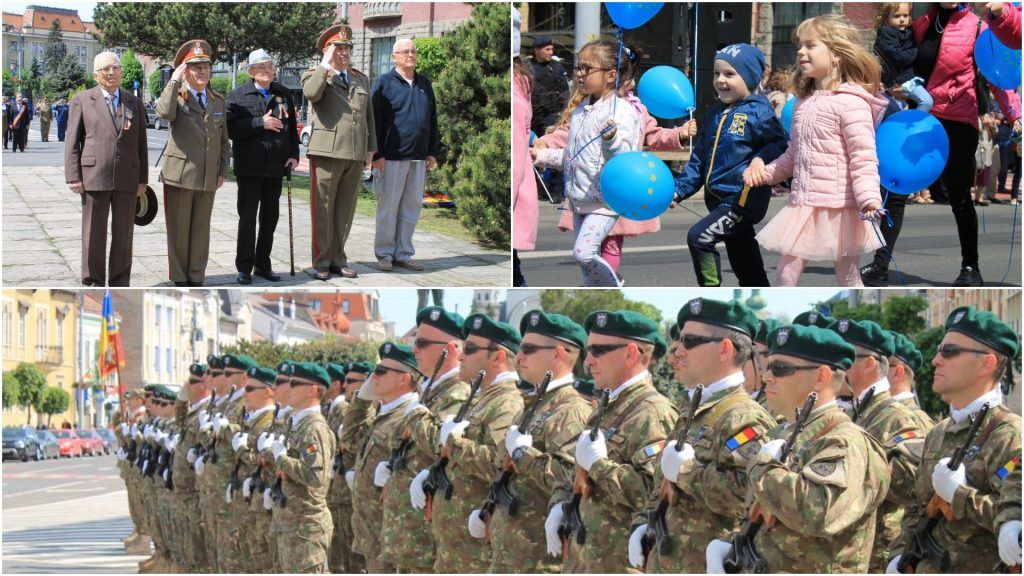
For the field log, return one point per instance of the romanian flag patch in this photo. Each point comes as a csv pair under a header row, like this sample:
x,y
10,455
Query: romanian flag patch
x,y
906,436
742,438
1008,467
654,449
309,453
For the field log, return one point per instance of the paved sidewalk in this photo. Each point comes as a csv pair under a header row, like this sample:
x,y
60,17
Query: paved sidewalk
x,y
42,243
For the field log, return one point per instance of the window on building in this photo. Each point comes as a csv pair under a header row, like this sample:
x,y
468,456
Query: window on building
x,y
156,360
345,307
41,328
787,16
22,327
314,305
158,315
8,328
170,362
60,331
170,318
380,56
83,55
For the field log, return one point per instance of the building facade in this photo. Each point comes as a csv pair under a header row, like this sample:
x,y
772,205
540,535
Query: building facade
x,y
25,37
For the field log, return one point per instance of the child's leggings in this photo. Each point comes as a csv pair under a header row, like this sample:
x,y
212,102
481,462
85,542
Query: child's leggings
x,y
611,250
791,267
591,230
737,232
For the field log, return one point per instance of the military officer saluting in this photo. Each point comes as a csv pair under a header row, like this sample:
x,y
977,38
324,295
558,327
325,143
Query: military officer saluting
x,y
342,142
196,160
979,501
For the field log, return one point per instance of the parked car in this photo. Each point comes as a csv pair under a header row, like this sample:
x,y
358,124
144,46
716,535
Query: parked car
x,y
109,440
21,443
50,447
92,443
305,132
69,442
154,121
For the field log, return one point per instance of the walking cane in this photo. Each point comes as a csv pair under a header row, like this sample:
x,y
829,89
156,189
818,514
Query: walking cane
x,y
291,237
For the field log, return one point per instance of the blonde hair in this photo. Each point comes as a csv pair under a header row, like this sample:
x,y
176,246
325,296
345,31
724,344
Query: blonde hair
x,y
856,64
885,9
606,53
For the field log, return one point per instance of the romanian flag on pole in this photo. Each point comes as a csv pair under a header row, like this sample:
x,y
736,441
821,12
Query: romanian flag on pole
x,y
111,353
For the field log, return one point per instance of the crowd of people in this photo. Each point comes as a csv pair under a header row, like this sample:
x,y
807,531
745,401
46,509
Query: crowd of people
x,y
18,113
742,157
477,450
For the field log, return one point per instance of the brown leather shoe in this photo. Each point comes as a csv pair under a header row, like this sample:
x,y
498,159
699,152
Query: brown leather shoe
x,y
138,547
409,264
322,274
344,272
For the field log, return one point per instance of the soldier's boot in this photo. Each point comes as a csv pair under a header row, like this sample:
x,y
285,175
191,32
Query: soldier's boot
x,y
147,566
140,546
130,538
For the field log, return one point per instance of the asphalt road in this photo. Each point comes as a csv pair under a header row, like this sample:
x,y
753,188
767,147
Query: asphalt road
x,y
31,483
39,153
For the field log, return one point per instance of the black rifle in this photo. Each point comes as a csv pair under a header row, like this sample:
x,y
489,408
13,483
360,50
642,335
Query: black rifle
x,y
276,491
256,483
437,479
199,449
396,460
859,406
572,520
743,557
211,450
657,530
924,545
499,492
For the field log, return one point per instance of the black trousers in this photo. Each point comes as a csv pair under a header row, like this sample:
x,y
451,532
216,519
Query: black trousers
x,y
259,199
737,232
896,205
62,128
955,181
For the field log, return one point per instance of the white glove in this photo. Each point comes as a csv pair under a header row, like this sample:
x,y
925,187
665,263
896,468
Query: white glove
x,y
200,466
672,459
551,525
259,441
715,555
340,428
137,432
893,567
204,419
265,441
413,406
160,436
191,456
516,439
120,453
945,481
350,479
147,432
1009,543
278,448
268,503
477,527
636,549
227,494
164,475
381,474
124,429
145,466
451,428
589,451
247,488
174,443
417,496
219,423
240,440
773,449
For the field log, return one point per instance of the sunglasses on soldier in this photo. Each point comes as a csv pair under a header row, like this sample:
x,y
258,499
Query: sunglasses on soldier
x,y
691,341
948,351
781,369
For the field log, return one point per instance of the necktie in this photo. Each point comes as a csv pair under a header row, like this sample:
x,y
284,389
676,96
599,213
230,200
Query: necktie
x,y
344,79
110,105
199,96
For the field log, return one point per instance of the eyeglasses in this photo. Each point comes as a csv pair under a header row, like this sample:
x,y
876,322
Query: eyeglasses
x,y
253,388
233,372
382,370
781,369
112,69
598,350
875,356
584,70
406,52
472,348
948,351
200,67
528,349
355,380
423,343
691,341
281,381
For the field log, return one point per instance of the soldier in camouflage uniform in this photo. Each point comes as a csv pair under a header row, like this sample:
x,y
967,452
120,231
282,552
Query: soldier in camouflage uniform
x,y
301,522
823,500
407,540
210,494
753,383
339,500
139,541
898,428
160,560
904,363
192,525
262,499
621,461
163,501
727,431
544,459
983,525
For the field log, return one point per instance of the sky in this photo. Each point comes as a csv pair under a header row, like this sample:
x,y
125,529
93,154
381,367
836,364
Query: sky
x,y
84,8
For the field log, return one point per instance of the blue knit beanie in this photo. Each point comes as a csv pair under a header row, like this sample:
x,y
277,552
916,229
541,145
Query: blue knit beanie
x,y
747,60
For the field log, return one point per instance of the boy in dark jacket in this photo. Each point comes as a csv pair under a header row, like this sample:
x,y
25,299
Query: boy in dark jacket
x,y
736,131
894,45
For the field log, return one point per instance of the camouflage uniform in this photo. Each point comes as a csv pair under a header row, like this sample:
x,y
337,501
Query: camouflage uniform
x,y
339,502
211,492
228,550
727,432
282,425
151,484
635,426
980,506
303,526
131,476
901,431
825,499
911,402
192,526
517,542
252,521
166,508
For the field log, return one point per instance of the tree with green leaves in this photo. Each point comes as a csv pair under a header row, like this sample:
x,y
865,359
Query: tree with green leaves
x,y
578,304
132,72
430,59
31,382
68,76
55,50
53,400
324,350
10,390
10,88
927,342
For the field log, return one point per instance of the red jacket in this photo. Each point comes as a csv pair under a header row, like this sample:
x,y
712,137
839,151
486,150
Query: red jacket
x,y
952,81
1007,26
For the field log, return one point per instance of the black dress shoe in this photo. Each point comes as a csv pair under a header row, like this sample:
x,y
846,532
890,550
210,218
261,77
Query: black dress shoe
x,y
969,276
344,272
244,278
268,275
182,284
322,274
874,275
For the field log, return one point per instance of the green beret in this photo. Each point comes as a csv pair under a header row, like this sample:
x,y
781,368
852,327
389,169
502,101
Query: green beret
x,y
310,371
214,362
866,334
133,393
584,386
725,314
906,351
362,366
813,318
497,332
443,320
197,370
812,343
554,326
261,375
673,332
764,327
627,324
163,392
238,362
150,388
985,327
284,367
336,371
399,353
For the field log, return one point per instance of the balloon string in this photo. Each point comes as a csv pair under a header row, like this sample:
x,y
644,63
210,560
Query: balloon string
x,y
1013,232
892,259
984,228
885,202
690,109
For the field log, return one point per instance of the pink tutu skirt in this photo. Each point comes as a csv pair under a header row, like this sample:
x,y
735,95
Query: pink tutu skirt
x,y
820,234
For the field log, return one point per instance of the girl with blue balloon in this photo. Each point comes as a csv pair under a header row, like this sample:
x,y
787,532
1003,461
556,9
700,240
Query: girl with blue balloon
x,y
604,121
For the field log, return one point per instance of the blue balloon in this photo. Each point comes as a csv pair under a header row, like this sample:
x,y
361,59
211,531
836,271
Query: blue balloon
x,y
533,136
666,92
637,185
912,151
999,64
787,114
629,15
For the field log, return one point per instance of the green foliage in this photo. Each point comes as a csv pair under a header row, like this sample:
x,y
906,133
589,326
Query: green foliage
x,y
68,76
52,401
325,350
480,184
153,85
900,314
222,84
131,70
10,390
430,59
10,85
31,382
927,342
578,304
55,50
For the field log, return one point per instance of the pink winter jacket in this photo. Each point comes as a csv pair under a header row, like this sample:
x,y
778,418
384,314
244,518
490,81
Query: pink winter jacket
x,y
1007,26
524,184
951,83
831,155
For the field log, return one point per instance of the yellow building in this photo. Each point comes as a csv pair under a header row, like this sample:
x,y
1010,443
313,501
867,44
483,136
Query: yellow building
x,y
25,37
39,328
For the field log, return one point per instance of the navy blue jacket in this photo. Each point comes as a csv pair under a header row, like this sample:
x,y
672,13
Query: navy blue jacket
x,y
732,136
405,118
896,53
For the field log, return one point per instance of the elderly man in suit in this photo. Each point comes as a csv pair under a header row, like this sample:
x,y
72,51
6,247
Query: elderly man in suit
x,y
196,162
106,160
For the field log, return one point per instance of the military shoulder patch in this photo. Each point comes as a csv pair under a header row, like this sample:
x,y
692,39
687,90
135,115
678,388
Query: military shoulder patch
x,y
652,450
1009,467
826,472
308,454
749,450
746,435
